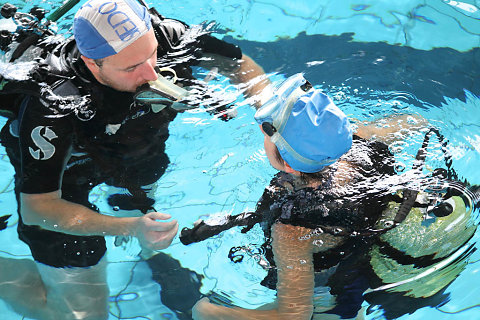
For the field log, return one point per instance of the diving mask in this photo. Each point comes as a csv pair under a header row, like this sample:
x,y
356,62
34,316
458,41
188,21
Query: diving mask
x,y
275,111
163,93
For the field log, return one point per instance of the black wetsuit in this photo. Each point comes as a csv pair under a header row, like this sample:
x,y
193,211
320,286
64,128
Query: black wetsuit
x,y
123,145
354,206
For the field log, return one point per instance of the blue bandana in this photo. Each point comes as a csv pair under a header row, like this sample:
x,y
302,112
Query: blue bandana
x,y
103,28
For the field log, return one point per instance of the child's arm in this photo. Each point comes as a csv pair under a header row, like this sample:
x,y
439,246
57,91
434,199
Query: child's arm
x,y
294,261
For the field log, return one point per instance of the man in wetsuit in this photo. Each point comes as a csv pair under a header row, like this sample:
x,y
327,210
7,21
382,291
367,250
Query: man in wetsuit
x,y
60,151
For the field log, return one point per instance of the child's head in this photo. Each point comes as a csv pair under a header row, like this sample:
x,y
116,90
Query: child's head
x,y
307,128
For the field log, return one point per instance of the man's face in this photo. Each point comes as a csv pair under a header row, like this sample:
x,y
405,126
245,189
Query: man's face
x,y
131,67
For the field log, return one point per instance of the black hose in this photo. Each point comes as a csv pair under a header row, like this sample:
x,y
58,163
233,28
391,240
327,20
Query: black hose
x,y
203,231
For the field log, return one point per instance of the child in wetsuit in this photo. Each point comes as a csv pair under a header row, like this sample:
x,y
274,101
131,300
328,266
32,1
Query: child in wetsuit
x,y
323,193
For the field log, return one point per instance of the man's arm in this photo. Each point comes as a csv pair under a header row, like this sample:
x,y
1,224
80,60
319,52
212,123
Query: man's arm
x,y
254,78
51,212
245,72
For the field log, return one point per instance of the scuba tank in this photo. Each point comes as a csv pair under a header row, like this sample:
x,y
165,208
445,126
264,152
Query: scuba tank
x,y
426,252
420,234
25,39
27,29
427,248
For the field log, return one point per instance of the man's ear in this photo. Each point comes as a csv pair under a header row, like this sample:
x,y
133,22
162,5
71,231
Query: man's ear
x,y
91,65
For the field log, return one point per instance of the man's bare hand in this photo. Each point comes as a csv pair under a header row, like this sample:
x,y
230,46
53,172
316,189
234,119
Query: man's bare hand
x,y
153,234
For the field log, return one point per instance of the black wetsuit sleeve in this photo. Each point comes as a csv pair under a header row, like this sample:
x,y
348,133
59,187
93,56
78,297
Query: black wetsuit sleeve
x,y
382,158
210,44
206,229
45,142
171,36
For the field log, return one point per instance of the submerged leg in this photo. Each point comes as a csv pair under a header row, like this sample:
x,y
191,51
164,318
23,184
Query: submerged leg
x,y
180,287
76,293
22,287
39,291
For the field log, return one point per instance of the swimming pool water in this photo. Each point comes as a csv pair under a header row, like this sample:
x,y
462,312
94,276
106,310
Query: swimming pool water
x,y
373,57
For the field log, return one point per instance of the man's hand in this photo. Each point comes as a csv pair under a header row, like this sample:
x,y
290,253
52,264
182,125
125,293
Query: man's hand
x,y
153,234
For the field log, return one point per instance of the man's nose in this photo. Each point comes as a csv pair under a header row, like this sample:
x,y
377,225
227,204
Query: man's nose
x,y
148,72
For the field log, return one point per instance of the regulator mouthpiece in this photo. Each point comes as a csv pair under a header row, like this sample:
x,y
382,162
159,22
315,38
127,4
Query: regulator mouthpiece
x,y
163,93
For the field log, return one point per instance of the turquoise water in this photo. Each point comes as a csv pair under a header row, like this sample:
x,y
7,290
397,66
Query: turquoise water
x,y
373,57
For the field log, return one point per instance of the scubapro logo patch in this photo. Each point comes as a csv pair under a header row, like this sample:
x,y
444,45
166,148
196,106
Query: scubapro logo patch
x,y
42,136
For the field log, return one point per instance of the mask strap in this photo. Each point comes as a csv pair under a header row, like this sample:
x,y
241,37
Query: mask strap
x,y
281,143
281,119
